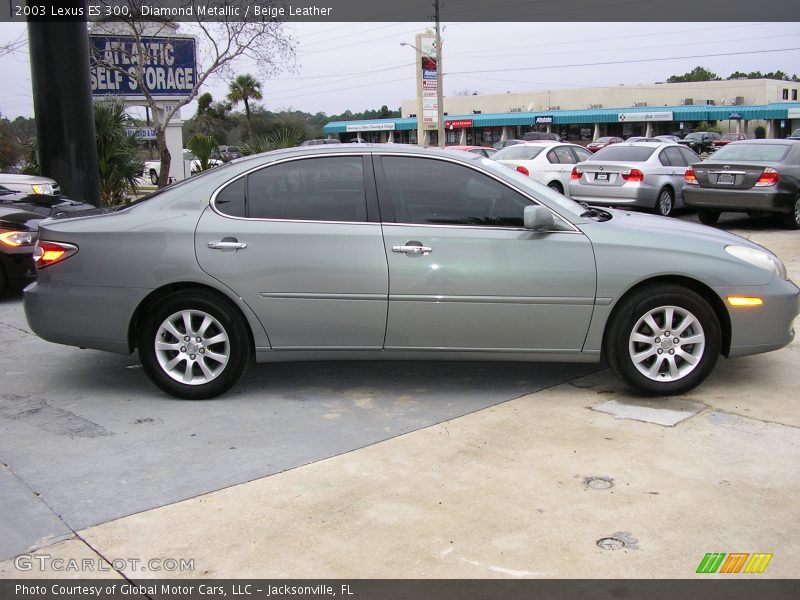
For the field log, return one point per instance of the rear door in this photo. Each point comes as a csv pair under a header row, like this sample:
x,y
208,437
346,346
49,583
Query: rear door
x,y
300,241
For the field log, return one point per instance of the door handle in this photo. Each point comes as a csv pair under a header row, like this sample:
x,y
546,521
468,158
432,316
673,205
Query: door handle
x,y
227,244
413,248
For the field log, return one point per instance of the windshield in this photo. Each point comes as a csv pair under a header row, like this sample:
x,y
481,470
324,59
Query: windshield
x,y
624,153
536,189
760,152
518,152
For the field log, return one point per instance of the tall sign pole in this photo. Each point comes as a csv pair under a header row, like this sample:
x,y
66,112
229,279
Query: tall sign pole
x,y
62,102
439,82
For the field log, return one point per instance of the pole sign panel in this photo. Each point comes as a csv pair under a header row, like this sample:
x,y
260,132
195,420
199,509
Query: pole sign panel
x,y
427,85
141,133
169,65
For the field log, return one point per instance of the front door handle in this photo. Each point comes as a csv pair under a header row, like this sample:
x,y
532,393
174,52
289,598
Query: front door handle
x,y
413,248
227,244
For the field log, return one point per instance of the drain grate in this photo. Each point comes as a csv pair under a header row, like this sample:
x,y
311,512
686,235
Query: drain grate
x,y
599,483
621,540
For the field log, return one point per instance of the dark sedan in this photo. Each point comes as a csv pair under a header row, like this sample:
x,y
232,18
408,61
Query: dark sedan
x,y
700,141
753,176
17,238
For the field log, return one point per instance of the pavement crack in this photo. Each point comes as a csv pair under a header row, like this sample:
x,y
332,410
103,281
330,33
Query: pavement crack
x,y
21,329
750,418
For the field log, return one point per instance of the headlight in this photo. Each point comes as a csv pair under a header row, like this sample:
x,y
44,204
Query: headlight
x,y
758,258
42,188
16,238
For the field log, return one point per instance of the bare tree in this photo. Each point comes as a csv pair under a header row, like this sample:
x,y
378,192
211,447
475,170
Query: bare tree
x,y
220,42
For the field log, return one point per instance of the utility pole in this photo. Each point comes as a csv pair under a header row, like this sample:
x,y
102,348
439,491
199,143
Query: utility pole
x,y
439,80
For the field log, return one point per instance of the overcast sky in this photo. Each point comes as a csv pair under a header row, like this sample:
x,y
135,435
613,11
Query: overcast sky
x,y
360,66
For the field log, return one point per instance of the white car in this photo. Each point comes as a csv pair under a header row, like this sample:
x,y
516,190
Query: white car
x,y
30,184
191,166
549,163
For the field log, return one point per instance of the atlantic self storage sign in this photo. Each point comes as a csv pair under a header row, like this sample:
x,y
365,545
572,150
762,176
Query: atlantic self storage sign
x,y
169,65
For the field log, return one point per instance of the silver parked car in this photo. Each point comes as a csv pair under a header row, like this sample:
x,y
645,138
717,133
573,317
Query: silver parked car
x,y
30,184
642,174
389,252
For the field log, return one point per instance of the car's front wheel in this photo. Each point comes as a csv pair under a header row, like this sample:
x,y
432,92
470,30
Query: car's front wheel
x,y
663,339
193,345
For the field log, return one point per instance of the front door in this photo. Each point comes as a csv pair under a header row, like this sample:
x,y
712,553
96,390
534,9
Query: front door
x,y
465,275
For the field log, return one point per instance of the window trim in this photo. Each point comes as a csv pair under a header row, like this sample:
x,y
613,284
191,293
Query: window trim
x,y
370,192
387,207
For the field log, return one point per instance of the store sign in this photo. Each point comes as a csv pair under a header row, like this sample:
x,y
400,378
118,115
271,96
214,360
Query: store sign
x,y
458,124
370,127
644,116
544,120
735,116
141,133
793,113
427,83
169,65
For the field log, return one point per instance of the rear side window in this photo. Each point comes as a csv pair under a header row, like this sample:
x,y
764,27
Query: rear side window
x,y
624,153
674,156
562,155
436,192
314,189
689,155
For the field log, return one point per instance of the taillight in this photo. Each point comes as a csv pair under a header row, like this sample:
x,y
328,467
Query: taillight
x,y
690,176
523,170
16,238
769,177
49,253
634,175
575,173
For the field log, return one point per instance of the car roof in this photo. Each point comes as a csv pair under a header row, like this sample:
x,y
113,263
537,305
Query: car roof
x,y
783,142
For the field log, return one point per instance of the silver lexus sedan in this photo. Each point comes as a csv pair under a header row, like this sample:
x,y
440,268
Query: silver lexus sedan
x,y
395,252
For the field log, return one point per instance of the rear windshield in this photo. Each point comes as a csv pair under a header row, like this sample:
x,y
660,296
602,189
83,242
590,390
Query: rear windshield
x,y
626,153
761,152
518,152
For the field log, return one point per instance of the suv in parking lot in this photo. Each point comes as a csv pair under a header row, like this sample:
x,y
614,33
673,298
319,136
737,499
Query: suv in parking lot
x,y
701,141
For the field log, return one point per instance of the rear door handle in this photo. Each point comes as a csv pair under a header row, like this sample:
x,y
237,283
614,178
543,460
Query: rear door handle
x,y
413,248
227,244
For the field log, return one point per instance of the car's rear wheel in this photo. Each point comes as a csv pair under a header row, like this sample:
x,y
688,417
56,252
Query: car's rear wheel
x,y
665,203
555,185
792,220
663,339
707,217
194,345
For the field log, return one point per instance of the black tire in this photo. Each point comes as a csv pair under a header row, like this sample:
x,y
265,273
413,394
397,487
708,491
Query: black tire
x,y
792,220
665,205
707,217
689,309
153,177
199,361
555,185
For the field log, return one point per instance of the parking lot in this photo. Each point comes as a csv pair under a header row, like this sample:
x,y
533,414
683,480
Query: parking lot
x,y
407,470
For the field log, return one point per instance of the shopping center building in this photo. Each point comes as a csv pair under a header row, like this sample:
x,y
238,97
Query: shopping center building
x,y
584,114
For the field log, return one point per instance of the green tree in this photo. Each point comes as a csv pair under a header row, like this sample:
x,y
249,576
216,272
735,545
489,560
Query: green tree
x,y
117,154
696,74
243,89
10,149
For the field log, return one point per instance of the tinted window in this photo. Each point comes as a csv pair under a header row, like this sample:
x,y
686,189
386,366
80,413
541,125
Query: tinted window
x,y
690,156
518,152
742,151
314,189
675,157
664,159
581,154
436,192
563,155
626,153
230,200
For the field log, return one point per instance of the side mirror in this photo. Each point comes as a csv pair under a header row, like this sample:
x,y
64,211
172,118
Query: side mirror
x,y
537,218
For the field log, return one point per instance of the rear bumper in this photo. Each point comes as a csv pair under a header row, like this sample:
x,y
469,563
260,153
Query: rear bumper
x,y
738,200
630,194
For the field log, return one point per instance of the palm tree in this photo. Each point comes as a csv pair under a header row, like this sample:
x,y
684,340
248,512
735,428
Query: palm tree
x,y
244,88
117,153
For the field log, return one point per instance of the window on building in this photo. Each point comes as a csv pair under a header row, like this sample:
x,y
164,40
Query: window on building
x,y
785,93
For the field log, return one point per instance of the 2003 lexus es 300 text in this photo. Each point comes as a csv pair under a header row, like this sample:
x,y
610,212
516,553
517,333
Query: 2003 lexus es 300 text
x,y
395,252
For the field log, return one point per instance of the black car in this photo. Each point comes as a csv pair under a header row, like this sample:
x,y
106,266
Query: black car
x,y
18,231
752,176
701,141
20,214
